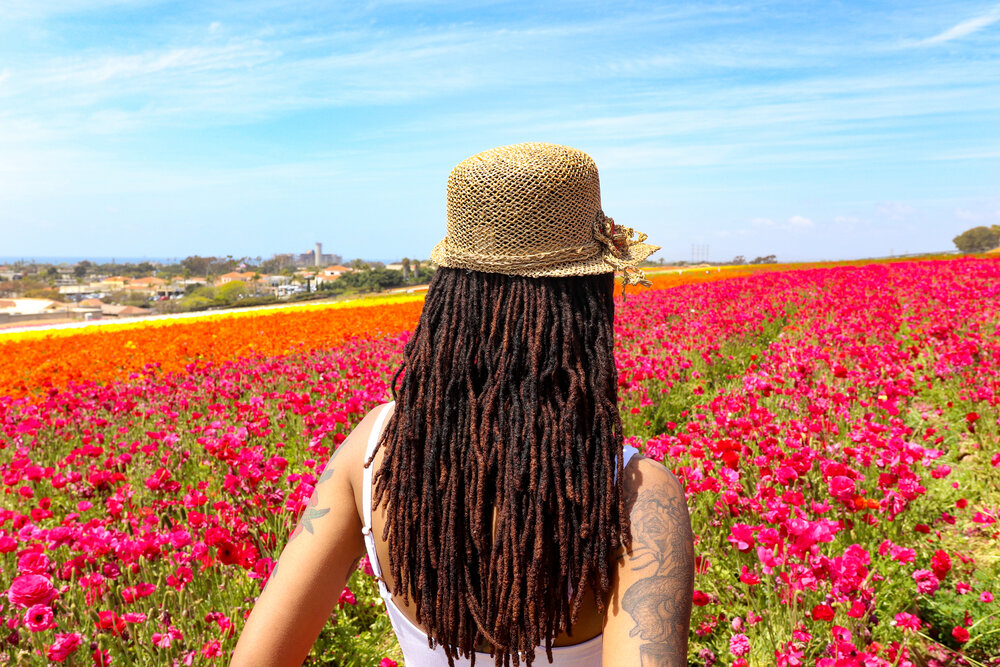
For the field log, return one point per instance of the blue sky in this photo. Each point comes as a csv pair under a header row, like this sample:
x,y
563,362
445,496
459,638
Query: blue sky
x,y
807,130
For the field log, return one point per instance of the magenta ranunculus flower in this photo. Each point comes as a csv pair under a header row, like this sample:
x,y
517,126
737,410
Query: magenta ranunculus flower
x,y
907,622
39,617
739,645
7,544
387,662
986,596
741,537
927,583
33,563
64,645
842,488
346,597
31,589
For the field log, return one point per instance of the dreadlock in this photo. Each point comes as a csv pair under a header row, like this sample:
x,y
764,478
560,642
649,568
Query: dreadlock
x,y
508,403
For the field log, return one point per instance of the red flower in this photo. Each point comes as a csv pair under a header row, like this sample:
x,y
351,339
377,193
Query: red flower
x,y
960,634
822,612
109,620
228,553
940,564
701,599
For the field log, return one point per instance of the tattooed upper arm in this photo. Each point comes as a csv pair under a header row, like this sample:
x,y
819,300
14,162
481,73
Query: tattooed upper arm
x,y
313,567
650,611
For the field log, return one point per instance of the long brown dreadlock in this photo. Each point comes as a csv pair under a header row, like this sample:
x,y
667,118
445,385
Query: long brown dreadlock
x,y
508,403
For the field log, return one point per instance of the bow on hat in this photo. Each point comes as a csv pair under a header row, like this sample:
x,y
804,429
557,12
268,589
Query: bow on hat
x,y
618,240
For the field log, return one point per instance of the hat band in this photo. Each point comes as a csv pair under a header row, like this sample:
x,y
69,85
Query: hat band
x,y
529,261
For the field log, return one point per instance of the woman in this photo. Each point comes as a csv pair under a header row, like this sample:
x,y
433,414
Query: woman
x,y
506,521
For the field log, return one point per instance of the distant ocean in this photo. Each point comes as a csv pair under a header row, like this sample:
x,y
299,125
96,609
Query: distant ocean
x,y
10,259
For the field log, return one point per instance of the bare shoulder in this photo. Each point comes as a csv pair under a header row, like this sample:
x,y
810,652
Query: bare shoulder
x,y
650,609
351,455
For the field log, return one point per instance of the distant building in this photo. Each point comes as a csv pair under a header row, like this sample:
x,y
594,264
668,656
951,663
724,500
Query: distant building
x,y
331,273
30,306
111,283
316,257
246,277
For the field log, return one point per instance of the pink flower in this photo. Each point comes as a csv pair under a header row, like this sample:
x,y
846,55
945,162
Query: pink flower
x,y
387,662
31,589
741,537
963,588
346,597
739,645
907,622
842,488
164,639
927,583
749,577
212,649
39,617
133,593
64,645
986,596
33,562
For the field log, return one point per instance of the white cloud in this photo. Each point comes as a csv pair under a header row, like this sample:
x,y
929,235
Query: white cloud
x,y
762,222
895,210
965,28
965,214
800,222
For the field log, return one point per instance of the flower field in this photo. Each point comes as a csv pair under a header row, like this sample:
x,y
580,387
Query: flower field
x,y
836,430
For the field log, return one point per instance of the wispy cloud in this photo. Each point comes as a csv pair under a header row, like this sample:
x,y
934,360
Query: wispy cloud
x,y
965,28
895,210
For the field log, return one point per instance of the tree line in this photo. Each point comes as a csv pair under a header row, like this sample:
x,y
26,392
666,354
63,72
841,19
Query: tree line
x,y
978,239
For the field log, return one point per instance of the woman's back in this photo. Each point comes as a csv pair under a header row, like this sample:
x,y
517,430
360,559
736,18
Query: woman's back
x,y
650,604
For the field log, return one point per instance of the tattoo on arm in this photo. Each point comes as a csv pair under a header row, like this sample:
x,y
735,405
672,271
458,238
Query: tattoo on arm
x,y
660,603
312,512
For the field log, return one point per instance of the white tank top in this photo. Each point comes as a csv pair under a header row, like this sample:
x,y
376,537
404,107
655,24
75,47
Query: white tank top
x,y
412,639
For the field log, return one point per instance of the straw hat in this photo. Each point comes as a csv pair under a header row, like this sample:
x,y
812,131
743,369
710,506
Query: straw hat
x,y
535,210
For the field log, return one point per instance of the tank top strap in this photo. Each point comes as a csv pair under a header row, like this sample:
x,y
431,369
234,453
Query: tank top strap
x,y
628,451
366,491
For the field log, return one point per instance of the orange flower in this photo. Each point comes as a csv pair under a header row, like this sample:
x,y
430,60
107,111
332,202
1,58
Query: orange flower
x,y
29,365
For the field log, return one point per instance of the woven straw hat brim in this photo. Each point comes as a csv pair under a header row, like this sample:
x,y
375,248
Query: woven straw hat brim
x,y
534,210
635,254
